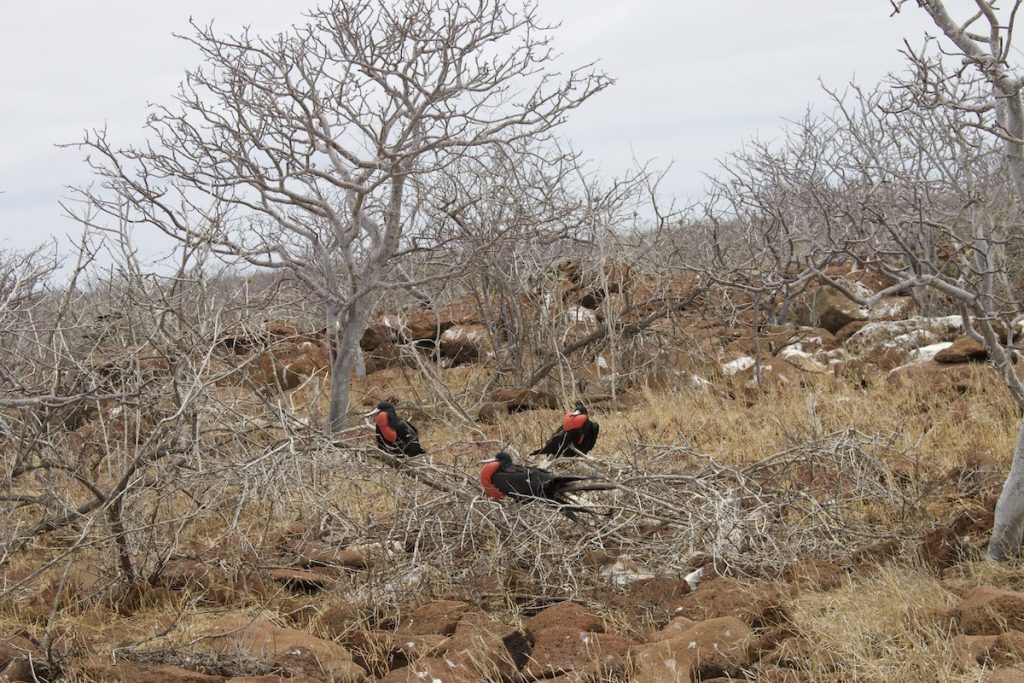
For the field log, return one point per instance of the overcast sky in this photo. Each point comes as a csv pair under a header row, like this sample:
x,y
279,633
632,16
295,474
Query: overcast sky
x,y
695,78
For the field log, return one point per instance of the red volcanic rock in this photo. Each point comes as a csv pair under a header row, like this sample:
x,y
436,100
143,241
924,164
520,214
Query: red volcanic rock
x,y
893,308
1003,649
562,649
654,599
957,376
518,398
440,616
432,669
756,603
292,650
343,620
716,647
942,548
988,610
673,629
301,579
825,306
852,272
813,574
848,330
378,333
617,274
875,553
963,350
564,615
570,638
286,365
484,643
398,648
430,324
102,669
465,343
194,575
279,330
300,678
774,372
20,660
1006,676
489,412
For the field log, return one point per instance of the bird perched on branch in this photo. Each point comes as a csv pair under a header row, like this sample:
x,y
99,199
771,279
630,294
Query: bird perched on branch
x,y
576,436
395,436
501,478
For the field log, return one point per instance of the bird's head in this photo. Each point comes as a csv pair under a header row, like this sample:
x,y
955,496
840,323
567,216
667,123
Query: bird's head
x,y
502,457
382,407
580,409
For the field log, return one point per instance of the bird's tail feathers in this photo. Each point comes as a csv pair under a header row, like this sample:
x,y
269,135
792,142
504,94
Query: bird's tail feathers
x,y
570,485
577,485
571,510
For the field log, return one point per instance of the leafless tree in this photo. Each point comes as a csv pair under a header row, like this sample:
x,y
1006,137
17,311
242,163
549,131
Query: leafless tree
x,y
982,41
318,151
917,193
918,179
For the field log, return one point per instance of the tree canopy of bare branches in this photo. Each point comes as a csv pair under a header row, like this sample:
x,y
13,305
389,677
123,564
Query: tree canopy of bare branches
x,y
920,179
322,151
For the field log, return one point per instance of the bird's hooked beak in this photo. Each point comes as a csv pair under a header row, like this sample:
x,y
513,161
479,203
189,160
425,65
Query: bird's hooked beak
x,y
484,462
372,412
576,412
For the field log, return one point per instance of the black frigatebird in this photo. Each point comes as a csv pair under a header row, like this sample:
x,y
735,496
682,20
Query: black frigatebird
x,y
576,436
501,478
395,436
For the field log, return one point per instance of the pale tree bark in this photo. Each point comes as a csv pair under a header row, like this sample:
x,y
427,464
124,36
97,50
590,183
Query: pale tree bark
x,y
320,151
1008,528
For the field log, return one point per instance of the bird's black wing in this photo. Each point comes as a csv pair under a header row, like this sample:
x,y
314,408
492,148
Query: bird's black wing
x,y
535,483
408,439
590,430
555,445
521,482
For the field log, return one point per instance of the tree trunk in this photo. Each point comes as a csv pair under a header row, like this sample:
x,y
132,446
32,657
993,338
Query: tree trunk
x,y
1009,523
346,354
360,364
1009,519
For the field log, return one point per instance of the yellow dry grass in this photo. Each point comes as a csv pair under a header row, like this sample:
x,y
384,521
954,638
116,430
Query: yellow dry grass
x,y
941,427
885,625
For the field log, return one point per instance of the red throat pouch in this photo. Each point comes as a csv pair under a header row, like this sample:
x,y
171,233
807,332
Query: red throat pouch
x,y
571,421
485,479
385,429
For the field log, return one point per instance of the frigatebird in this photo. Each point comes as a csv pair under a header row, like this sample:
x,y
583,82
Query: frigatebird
x,y
395,436
576,436
501,478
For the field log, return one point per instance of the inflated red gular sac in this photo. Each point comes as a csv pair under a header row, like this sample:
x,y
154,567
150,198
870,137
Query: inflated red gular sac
x,y
501,478
577,435
395,436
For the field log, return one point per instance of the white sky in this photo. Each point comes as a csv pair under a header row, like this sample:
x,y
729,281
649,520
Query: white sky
x,y
695,78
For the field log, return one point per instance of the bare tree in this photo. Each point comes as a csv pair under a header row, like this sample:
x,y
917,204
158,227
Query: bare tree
x,y
317,151
919,180
983,42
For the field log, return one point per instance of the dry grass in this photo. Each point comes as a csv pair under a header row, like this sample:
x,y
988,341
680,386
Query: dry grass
x,y
885,625
942,426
